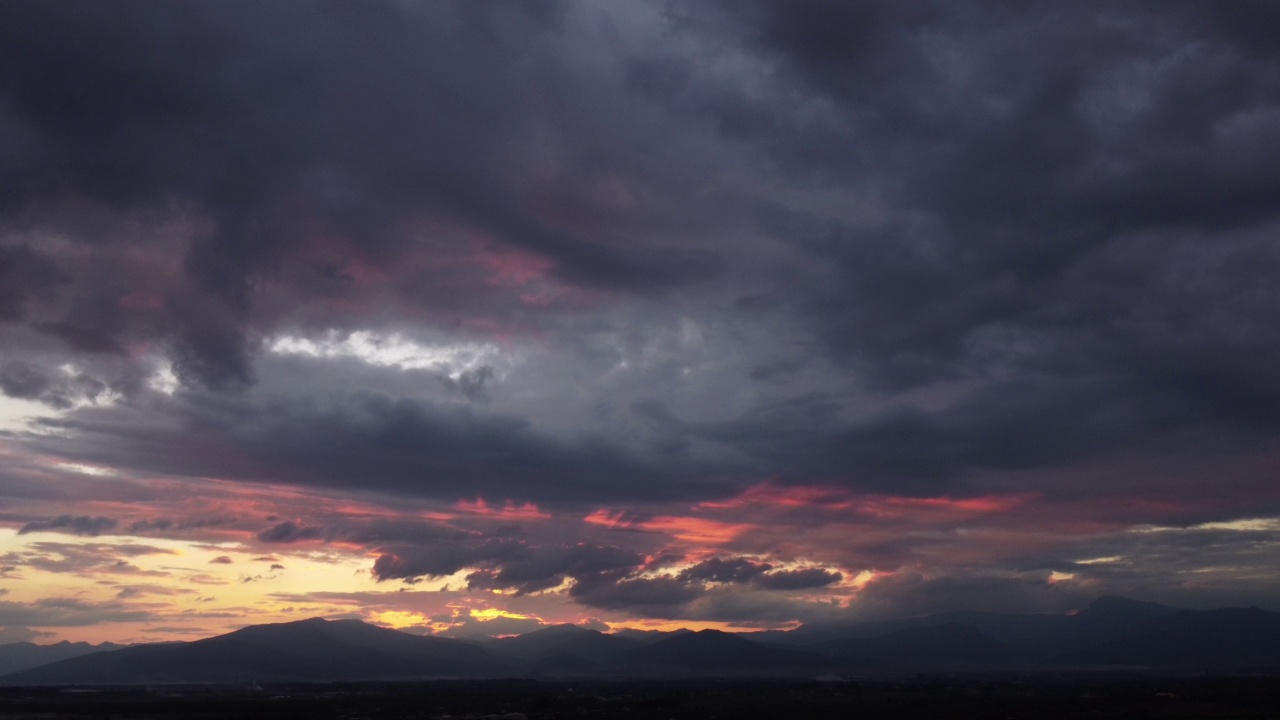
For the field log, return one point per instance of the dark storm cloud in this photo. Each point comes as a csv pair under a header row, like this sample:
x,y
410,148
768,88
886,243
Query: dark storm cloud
x,y
1032,216
911,248
24,274
286,122
1083,230
398,445
1068,228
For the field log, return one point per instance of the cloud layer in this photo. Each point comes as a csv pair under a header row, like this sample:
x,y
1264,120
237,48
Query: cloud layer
x,y
749,312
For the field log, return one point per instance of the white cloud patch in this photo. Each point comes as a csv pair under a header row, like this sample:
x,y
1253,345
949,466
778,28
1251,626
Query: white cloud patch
x,y
394,350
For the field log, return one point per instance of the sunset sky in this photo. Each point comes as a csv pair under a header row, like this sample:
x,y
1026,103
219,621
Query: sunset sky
x,y
468,317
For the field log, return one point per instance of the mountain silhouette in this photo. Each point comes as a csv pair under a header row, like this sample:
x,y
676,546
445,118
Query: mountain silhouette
x,y
18,656
1225,639
932,648
1035,635
716,652
1109,632
314,650
567,641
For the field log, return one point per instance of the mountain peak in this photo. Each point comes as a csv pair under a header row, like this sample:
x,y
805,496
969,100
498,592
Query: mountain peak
x,y
1115,604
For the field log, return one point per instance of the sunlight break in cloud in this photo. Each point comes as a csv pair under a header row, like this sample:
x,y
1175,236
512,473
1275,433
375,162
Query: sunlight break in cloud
x,y
394,350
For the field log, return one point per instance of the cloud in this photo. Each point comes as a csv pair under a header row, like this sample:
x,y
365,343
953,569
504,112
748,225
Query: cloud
x,y
799,579
144,526
471,625
645,595
87,559
768,292
71,525
18,633
733,570
505,563
290,532
222,560
24,275
68,612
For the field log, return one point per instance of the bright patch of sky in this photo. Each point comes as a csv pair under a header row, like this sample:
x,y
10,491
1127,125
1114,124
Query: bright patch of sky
x,y
164,380
15,412
396,351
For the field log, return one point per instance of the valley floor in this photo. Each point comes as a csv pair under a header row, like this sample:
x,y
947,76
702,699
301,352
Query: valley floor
x,y
1043,698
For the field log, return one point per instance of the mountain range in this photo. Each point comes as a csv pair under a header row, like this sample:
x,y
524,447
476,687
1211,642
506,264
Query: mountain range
x,y
1110,633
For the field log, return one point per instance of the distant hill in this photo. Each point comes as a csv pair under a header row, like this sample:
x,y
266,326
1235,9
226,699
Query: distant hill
x,y
1226,639
312,650
1110,632
563,641
712,652
1039,635
18,656
648,636
934,648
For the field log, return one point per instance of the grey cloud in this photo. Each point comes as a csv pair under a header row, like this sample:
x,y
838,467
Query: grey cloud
x,y
909,593
68,612
22,380
398,445
145,526
799,579
19,633
760,574
501,563
721,570
645,595
472,384
25,274
269,117
61,390
290,532
917,247
71,525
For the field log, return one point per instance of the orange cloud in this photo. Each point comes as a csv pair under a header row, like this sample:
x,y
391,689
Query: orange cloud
x,y
508,511
769,495
688,529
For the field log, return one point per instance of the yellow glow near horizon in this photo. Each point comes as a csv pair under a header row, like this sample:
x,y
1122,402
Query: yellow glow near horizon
x,y
167,589
400,618
494,613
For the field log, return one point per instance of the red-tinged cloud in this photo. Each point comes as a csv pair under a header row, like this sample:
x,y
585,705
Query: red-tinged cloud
x,y
508,511
694,530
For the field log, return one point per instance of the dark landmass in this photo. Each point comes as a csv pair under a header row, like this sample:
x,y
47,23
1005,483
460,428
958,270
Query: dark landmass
x,y
1112,634
1231,638
945,696
18,656
563,640
312,650
725,652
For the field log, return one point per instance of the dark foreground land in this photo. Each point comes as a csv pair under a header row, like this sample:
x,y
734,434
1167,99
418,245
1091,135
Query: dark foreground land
x,y
936,697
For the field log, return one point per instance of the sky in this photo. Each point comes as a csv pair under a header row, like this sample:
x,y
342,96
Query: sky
x,y
468,317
